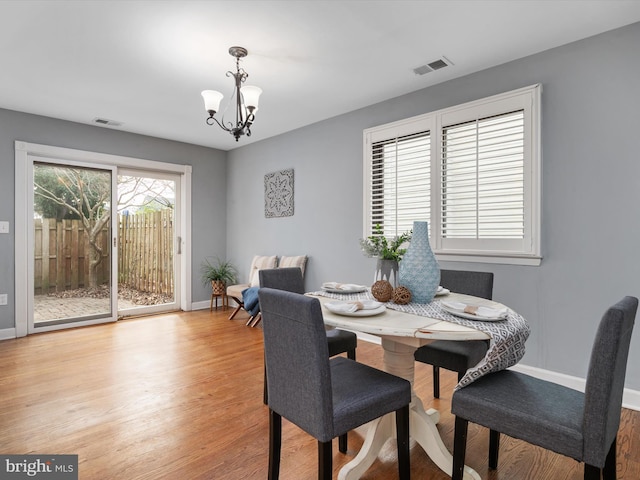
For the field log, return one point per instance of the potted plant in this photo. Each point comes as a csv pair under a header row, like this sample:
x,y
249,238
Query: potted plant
x,y
219,274
388,252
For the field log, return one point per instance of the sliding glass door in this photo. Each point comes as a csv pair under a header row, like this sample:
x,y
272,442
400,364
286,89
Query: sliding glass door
x,y
100,237
148,242
73,243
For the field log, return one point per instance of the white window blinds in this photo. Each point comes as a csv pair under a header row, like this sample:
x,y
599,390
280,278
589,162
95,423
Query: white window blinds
x,y
482,185
400,182
472,171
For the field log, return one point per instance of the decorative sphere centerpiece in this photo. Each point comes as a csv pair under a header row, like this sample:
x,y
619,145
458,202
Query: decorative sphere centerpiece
x,y
401,295
382,291
419,270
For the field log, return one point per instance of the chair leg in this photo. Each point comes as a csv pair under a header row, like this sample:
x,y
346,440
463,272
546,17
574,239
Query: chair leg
x,y
237,309
342,439
342,443
591,472
255,320
436,382
275,444
494,448
459,448
609,472
265,392
325,460
402,436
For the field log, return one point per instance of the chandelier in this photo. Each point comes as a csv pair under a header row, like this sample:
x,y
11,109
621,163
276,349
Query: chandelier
x,y
245,104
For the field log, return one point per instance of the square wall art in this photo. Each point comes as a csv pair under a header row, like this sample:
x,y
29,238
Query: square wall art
x,y
278,194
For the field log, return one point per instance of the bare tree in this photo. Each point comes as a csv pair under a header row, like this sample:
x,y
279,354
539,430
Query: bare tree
x,y
80,193
143,193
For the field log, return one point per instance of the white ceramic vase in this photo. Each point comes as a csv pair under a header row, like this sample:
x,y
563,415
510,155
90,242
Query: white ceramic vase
x,y
387,270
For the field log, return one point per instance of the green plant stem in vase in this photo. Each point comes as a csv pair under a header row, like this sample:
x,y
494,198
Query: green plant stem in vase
x,y
388,252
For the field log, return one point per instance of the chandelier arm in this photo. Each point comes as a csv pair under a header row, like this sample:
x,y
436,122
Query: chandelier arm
x,y
221,125
230,127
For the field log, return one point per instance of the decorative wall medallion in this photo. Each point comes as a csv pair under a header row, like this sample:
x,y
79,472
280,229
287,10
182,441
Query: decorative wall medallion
x,y
278,194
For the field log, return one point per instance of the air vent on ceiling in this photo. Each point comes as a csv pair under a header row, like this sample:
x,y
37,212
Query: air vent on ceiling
x,y
432,66
104,121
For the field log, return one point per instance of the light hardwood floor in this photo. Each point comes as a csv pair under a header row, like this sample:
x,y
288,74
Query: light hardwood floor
x,y
179,396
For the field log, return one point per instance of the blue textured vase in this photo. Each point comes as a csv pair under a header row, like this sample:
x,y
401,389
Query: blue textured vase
x,y
419,270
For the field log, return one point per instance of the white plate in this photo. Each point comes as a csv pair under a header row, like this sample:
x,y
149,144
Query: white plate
x,y
359,289
470,316
361,313
442,291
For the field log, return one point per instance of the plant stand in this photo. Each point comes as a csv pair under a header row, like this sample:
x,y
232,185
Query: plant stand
x,y
219,289
225,301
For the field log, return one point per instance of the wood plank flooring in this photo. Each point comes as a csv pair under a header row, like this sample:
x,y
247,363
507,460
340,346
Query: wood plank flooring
x,y
179,396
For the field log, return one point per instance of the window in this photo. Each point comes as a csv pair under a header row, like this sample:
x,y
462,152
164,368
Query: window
x,y
400,190
471,171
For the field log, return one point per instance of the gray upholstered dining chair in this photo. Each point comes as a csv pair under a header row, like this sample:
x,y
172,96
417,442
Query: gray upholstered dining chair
x,y
579,425
339,341
450,354
290,279
325,397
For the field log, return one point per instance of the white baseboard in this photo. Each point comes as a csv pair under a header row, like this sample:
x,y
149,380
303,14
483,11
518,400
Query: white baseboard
x,y
630,398
7,333
207,304
200,305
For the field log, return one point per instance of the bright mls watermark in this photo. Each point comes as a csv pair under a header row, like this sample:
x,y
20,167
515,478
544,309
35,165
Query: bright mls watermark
x,y
45,467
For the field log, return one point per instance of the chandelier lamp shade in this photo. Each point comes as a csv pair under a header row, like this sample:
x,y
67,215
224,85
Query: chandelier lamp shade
x,y
244,101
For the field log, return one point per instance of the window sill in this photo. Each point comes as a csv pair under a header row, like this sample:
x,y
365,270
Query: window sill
x,y
508,259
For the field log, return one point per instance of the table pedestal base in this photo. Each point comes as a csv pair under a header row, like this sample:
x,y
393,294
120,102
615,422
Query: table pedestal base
x,y
398,359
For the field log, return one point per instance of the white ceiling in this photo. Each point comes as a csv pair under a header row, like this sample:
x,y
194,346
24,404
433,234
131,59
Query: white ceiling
x,y
144,63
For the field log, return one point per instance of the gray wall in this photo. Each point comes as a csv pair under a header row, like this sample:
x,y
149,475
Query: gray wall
x,y
591,187
208,194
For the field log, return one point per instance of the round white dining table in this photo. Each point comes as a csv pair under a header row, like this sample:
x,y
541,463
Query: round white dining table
x,y
401,334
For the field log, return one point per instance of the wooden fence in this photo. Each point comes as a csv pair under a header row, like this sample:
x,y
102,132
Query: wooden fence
x,y
145,251
145,254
